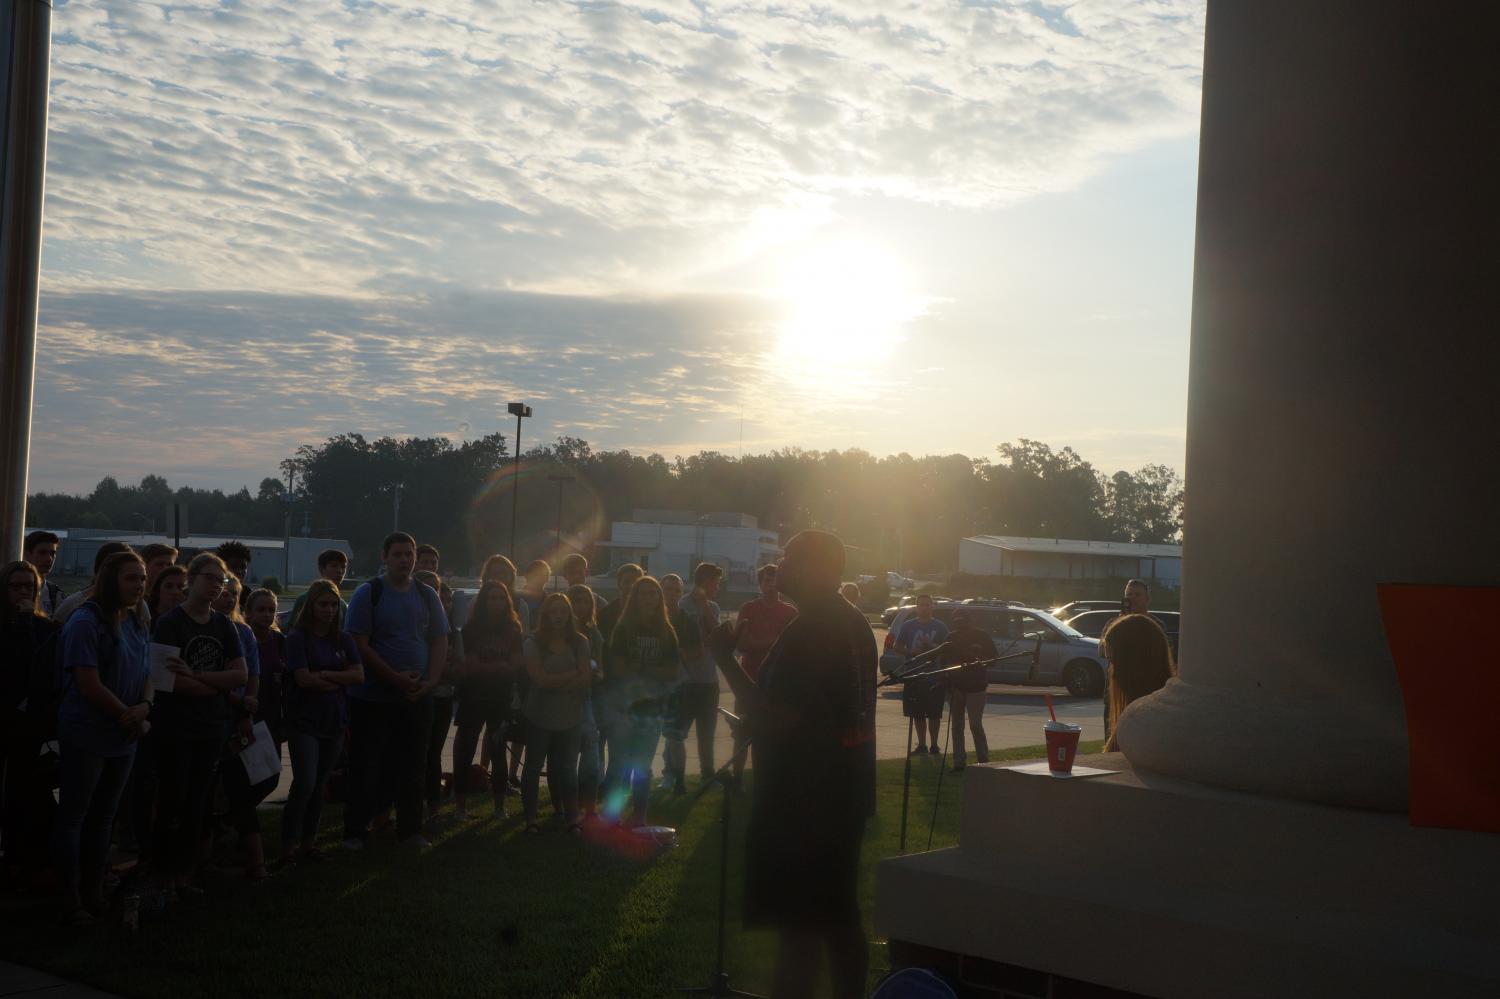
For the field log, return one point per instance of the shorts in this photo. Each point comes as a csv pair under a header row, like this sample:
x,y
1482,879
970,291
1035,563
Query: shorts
x,y
922,699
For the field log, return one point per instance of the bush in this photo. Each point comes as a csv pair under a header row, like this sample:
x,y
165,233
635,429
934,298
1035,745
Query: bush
x,y
271,583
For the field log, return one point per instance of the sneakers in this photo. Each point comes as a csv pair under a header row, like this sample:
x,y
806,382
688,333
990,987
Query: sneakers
x,y
921,750
416,840
354,844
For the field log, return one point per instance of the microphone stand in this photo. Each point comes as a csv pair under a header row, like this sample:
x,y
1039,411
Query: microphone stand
x,y
718,986
912,673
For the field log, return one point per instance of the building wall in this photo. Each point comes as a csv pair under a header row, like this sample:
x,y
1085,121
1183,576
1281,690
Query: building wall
x,y
664,548
979,559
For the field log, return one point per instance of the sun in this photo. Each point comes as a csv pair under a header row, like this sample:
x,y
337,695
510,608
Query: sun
x,y
845,301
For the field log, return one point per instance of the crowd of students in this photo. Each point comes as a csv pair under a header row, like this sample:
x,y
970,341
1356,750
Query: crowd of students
x,y
154,680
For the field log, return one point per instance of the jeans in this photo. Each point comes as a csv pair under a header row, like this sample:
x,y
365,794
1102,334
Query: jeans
x,y
972,705
442,721
313,759
698,703
185,771
92,786
140,795
560,751
634,721
588,759
387,736
483,704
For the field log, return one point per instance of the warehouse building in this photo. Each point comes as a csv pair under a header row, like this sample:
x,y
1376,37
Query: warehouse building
x,y
1063,558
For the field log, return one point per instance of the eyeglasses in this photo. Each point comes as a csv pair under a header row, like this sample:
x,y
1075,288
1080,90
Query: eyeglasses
x,y
221,580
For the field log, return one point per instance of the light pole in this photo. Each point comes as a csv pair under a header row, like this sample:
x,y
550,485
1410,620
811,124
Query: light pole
x,y
520,411
562,482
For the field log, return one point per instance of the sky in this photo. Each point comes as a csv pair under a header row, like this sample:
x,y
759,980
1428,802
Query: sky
x,y
668,226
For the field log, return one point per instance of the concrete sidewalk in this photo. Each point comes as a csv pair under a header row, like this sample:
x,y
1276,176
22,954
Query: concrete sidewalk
x,y
19,982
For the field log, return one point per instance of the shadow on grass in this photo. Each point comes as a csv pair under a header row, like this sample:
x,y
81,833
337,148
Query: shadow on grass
x,y
488,911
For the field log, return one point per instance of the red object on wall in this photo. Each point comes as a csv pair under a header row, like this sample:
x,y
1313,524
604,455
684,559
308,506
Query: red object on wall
x,y
1450,681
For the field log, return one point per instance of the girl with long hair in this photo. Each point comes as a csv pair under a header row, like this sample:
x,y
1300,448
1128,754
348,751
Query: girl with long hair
x,y
493,655
557,662
584,609
167,591
104,710
640,674
322,661
1140,663
24,634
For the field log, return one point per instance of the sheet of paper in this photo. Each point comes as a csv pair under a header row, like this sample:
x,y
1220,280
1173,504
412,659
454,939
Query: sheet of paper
x,y
163,679
1040,769
260,757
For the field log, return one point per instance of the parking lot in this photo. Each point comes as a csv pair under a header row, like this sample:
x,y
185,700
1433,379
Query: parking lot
x,y
1013,716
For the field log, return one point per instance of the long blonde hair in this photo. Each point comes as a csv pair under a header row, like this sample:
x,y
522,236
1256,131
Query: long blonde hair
x,y
1140,663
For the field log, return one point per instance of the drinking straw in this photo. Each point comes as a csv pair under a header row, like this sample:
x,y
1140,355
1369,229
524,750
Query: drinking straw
x,y
1048,696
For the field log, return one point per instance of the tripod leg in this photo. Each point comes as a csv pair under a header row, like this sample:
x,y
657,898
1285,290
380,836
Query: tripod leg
x,y
906,783
942,766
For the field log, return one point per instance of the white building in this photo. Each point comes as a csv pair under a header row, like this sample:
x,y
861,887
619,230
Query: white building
x,y
1062,558
268,556
663,541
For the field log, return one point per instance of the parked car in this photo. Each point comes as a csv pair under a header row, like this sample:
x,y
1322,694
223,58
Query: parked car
x,y
1068,658
910,600
1071,610
1092,623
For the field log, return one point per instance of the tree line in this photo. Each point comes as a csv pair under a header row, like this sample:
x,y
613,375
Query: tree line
x,y
896,512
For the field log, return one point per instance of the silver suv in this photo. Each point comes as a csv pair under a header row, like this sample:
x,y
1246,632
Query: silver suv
x,y
1069,659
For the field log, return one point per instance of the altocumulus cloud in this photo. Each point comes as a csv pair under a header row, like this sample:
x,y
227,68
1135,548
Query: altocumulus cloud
x,y
294,172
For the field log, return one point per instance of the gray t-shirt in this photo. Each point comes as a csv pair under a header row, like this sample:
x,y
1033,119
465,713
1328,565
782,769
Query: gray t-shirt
x,y
554,708
699,622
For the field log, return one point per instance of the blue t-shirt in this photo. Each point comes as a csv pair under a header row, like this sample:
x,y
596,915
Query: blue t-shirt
x,y
122,657
398,629
918,636
318,712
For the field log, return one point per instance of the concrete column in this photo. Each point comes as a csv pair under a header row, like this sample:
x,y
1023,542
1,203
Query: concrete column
x,y
1344,379
25,50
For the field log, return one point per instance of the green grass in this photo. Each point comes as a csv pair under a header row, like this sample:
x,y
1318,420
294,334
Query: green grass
x,y
488,911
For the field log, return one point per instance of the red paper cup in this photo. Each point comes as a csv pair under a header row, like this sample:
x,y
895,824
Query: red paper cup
x,y
1062,749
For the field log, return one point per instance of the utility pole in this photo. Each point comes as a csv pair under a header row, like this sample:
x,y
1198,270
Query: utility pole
x,y
25,56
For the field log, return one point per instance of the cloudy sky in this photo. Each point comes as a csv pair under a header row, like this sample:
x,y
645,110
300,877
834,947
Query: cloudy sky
x,y
670,225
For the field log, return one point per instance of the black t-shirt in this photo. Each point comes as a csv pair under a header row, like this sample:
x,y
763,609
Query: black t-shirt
x,y
207,648
969,645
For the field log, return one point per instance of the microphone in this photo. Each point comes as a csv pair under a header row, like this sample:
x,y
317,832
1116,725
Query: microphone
x,y
735,721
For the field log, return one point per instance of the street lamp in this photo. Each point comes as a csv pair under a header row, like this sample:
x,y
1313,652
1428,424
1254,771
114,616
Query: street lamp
x,y
562,482
520,411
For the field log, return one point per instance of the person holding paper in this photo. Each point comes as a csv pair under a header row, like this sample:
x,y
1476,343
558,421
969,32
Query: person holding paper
x,y
244,791
192,722
105,710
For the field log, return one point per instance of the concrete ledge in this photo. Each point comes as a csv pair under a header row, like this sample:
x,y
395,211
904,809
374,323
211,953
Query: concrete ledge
x,y
1168,888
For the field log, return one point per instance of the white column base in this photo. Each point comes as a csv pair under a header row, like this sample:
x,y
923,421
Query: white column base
x,y
1333,750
